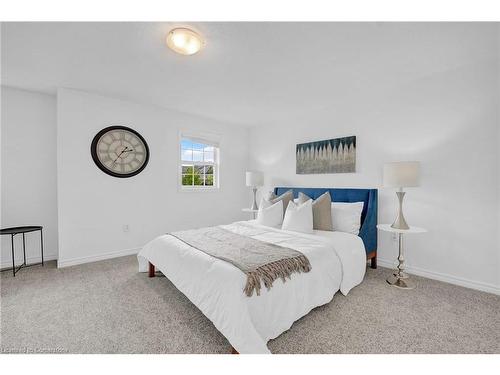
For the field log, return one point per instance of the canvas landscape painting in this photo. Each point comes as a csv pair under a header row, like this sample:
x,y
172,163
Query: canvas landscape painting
x,y
336,155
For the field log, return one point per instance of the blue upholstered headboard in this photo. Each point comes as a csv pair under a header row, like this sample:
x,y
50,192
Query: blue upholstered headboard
x,y
368,231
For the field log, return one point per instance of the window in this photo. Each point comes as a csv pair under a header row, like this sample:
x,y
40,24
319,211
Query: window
x,y
199,163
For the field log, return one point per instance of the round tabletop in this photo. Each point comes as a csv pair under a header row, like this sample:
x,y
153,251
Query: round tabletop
x,y
22,229
388,228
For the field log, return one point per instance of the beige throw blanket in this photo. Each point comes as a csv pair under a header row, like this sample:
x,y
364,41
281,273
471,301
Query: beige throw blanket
x,y
260,261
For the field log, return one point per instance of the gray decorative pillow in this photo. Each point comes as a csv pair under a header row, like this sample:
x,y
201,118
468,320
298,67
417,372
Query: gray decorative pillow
x,y
270,196
322,211
286,197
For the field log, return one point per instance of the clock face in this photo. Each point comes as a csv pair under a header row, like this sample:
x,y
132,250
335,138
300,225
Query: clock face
x,y
120,151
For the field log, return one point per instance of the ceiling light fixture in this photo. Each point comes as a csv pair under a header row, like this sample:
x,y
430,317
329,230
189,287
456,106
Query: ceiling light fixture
x,y
184,41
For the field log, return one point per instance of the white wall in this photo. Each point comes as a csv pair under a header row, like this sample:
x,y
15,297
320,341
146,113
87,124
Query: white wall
x,y
29,181
447,120
93,207
498,139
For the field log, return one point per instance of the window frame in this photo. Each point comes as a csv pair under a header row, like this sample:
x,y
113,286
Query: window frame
x,y
206,139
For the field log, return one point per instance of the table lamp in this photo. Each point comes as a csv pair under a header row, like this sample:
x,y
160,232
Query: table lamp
x,y
254,180
400,175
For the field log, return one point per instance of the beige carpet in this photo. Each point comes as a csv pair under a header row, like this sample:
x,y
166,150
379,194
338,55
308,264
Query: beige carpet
x,y
107,307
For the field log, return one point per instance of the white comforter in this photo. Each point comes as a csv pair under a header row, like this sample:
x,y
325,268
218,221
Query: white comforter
x,y
338,261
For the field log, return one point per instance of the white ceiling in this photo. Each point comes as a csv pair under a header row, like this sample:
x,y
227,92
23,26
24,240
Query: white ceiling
x,y
248,73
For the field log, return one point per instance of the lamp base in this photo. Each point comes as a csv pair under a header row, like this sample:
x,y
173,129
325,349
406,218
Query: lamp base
x,y
254,204
400,222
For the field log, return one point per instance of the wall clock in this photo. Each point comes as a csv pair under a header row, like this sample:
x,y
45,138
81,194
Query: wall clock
x,y
120,151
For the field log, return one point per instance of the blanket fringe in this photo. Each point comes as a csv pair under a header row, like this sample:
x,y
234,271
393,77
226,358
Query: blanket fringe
x,y
270,272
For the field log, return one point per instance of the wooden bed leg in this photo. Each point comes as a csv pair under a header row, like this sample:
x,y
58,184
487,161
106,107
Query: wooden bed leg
x,y
233,351
374,262
151,270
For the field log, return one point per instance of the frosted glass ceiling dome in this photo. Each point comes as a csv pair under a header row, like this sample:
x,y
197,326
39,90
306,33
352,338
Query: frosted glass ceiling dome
x,y
184,41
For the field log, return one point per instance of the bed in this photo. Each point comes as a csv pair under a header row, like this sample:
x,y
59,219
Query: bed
x,y
338,263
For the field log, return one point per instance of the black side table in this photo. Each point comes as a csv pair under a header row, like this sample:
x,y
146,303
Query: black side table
x,y
22,230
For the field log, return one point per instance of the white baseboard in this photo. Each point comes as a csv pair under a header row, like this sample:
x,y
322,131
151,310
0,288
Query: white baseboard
x,y
33,259
95,258
484,287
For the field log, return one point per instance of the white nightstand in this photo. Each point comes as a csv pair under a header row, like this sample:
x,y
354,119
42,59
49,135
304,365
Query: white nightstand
x,y
400,279
250,210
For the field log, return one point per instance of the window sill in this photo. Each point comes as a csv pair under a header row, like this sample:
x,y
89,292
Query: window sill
x,y
184,189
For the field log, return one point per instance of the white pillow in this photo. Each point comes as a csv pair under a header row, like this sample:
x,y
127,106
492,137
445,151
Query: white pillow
x,y
270,215
299,218
346,217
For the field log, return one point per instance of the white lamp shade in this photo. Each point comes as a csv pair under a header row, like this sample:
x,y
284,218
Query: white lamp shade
x,y
255,179
401,174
